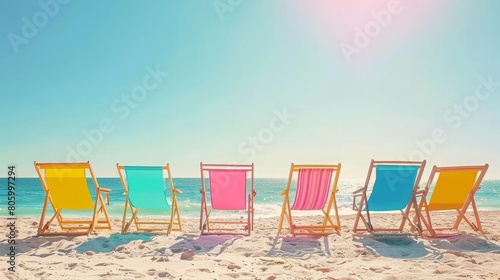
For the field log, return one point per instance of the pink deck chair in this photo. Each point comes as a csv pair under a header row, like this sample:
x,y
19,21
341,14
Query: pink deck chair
x,y
315,190
228,191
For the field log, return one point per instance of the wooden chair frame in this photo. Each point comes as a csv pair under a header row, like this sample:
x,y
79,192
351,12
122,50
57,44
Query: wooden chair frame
x,y
470,200
328,225
362,195
73,226
213,226
172,224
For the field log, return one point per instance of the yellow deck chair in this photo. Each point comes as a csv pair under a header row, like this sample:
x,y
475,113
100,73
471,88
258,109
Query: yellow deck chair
x,y
454,190
144,188
315,190
230,187
66,188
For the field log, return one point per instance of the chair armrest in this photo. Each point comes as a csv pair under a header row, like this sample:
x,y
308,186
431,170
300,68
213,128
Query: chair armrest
x,y
177,191
420,192
358,191
106,192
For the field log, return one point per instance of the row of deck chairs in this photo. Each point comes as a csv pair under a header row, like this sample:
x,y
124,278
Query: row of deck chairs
x,y
389,186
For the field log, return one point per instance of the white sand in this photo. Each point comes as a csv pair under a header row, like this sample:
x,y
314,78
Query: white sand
x,y
110,255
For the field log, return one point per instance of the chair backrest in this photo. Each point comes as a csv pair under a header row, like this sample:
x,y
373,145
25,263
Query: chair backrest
x,y
146,187
394,186
66,184
313,188
228,185
454,185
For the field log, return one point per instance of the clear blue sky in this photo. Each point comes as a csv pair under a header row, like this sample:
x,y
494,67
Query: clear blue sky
x,y
261,81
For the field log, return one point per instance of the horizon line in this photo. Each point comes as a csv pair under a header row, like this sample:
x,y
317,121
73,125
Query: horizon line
x,y
361,179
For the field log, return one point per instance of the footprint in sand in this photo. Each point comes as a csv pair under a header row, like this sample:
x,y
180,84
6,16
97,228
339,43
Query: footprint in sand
x,y
42,255
104,264
136,274
437,271
237,275
233,266
323,269
125,269
164,274
162,259
109,275
377,270
232,275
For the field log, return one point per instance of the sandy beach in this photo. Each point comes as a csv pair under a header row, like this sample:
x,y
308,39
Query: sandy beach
x,y
110,255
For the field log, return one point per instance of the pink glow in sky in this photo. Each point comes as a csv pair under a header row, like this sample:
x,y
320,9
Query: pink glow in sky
x,y
402,20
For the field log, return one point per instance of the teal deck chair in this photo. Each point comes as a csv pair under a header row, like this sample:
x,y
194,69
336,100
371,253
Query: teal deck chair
x,y
144,188
394,189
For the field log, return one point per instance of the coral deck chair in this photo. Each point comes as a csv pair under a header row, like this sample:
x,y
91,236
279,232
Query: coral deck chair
x,y
228,190
67,189
145,188
394,189
315,190
454,190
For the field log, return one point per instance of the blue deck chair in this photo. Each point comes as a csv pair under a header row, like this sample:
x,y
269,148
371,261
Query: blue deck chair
x,y
394,189
144,188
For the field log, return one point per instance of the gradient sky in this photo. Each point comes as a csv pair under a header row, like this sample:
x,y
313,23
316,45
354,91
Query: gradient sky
x,y
232,68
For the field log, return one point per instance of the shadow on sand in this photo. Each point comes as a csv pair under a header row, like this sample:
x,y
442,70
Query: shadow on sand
x,y
36,242
109,244
204,244
466,243
297,247
398,248
67,243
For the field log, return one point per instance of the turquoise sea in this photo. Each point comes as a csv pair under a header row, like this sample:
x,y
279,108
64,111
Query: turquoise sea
x,y
30,196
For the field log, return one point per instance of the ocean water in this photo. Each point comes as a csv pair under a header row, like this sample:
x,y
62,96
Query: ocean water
x,y
30,196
